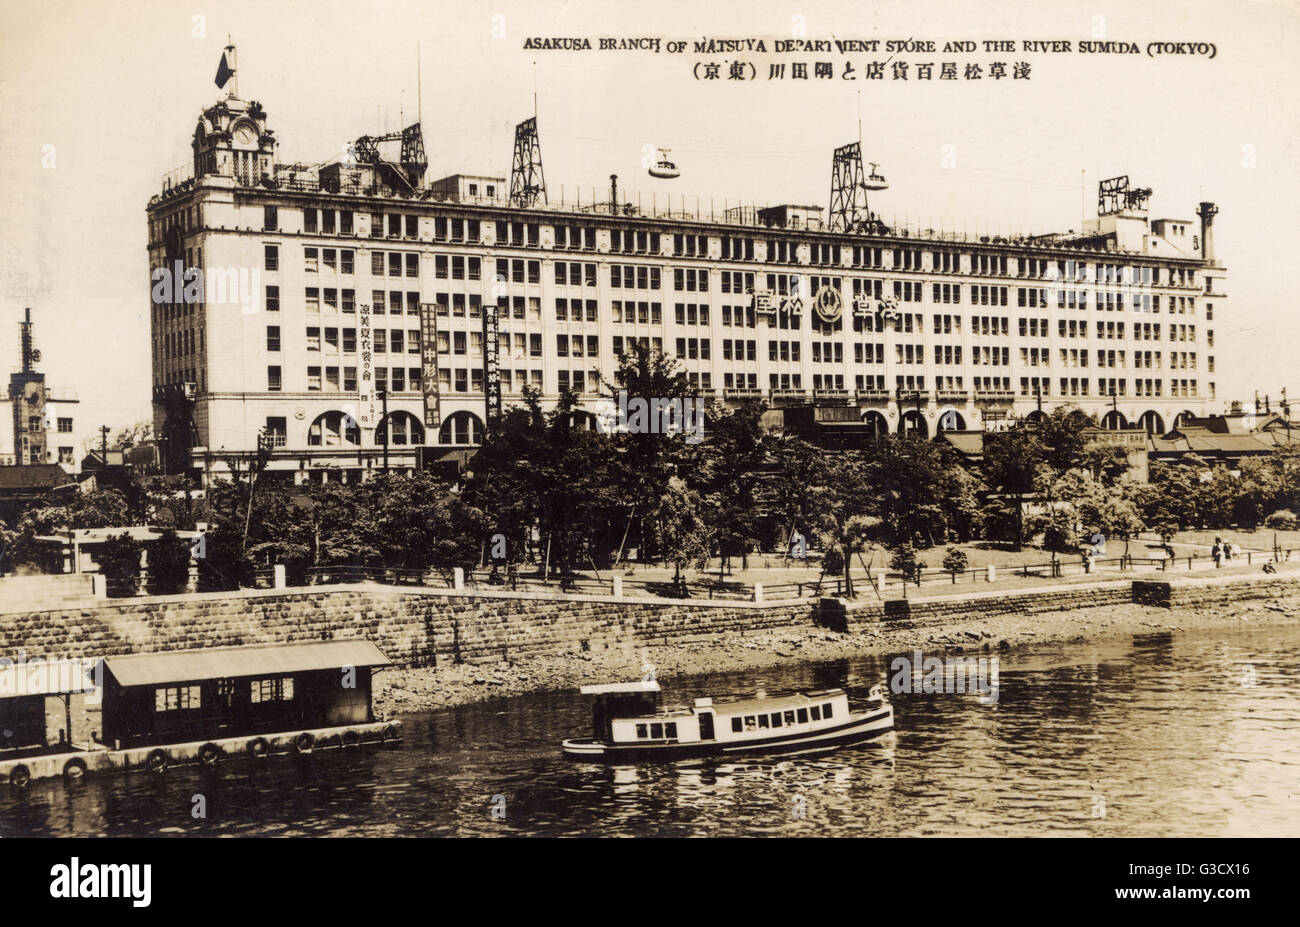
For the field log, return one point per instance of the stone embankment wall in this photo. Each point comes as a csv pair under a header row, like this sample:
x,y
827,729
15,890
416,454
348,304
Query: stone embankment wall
x,y
418,627
412,626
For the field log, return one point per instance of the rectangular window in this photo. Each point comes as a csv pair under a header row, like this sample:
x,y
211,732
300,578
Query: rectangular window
x,y
273,379
271,690
176,698
271,257
273,337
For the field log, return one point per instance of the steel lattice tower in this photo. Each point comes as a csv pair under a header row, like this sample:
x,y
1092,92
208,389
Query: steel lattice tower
x,y
848,194
527,182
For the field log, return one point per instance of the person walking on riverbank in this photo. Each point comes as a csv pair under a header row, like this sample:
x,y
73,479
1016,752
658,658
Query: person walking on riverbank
x,y
1217,553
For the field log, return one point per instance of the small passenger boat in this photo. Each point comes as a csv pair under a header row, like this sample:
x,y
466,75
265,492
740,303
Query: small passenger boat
x,y
630,723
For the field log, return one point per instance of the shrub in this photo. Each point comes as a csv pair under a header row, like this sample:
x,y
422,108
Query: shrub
x,y
905,562
833,562
119,561
954,560
1282,520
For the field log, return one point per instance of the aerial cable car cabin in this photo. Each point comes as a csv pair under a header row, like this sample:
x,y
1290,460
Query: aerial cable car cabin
x,y
664,169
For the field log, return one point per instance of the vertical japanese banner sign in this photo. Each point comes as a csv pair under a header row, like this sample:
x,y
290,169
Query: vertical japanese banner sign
x,y
367,403
491,366
429,358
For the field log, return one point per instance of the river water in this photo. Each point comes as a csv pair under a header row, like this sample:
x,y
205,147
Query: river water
x,y
1161,735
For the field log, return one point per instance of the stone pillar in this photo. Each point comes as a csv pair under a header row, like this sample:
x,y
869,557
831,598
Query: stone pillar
x,y
992,573
618,587
880,581
758,592
99,585
280,580
458,579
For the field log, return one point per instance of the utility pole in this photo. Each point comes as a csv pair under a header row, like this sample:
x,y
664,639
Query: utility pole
x,y
383,418
1038,395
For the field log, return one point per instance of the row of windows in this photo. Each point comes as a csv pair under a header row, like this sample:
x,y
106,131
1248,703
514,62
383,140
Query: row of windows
x,y
333,299
188,698
781,718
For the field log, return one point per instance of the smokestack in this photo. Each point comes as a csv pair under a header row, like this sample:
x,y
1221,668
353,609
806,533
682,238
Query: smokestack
x,y
613,194
1207,212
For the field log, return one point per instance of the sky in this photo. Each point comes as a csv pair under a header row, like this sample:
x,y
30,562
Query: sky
x,y
99,99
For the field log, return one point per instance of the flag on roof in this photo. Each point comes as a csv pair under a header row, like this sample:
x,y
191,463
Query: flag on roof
x,y
224,73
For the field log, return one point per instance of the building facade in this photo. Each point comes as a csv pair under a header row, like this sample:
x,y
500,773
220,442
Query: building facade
x,y
341,308
39,424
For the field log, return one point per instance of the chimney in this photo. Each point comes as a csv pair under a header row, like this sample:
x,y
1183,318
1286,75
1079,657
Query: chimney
x,y
1207,212
613,194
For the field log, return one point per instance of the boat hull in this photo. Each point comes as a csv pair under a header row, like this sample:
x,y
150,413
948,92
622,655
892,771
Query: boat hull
x,y
860,728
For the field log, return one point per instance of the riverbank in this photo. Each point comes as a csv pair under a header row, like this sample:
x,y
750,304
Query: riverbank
x,y
424,689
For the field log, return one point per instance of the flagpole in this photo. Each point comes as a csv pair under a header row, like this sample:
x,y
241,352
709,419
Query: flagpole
x,y
234,69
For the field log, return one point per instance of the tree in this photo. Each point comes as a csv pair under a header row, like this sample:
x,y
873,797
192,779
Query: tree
x,y
800,468
955,560
917,491
1011,467
1062,434
129,436
683,531
119,561
844,509
906,563
723,476
168,558
647,373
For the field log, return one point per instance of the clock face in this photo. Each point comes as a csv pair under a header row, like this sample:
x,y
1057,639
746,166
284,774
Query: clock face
x,y
245,135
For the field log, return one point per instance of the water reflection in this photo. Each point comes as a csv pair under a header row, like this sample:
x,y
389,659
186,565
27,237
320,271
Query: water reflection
x,y
1158,735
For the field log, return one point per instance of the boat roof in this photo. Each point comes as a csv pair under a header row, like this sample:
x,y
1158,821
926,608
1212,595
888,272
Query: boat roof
x,y
149,669
798,700
617,688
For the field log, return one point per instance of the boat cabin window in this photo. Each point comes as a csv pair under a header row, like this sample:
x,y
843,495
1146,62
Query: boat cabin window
x,y
803,715
736,725
762,720
751,723
789,717
657,731
776,719
816,712
826,710
175,698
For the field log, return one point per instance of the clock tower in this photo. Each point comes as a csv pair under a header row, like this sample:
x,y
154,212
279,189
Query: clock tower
x,y
232,140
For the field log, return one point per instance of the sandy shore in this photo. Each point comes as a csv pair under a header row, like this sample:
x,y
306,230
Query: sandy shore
x,y
426,689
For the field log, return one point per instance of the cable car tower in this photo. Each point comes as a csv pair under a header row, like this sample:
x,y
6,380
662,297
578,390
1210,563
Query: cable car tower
x,y
849,211
527,182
